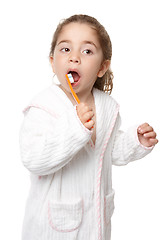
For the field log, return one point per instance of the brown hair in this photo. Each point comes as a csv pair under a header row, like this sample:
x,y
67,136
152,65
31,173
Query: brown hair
x,y
104,83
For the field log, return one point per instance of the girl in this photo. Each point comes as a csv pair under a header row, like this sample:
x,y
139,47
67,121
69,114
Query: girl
x,y
70,149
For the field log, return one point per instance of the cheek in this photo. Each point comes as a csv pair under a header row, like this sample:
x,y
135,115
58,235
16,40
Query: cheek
x,y
94,70
56,63
91,77
96,64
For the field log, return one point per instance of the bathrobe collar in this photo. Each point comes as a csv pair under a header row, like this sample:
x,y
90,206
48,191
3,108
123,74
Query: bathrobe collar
x,y
106,113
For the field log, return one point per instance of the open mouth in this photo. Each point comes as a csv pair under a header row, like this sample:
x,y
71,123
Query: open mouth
x,y
75,76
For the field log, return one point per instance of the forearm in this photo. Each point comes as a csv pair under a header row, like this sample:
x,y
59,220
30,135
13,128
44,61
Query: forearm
x,y
48,144
127,147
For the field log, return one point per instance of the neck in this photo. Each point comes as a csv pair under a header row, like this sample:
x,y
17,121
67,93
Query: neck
x,y
85,97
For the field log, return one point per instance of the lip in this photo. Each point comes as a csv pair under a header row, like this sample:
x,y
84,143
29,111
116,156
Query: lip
x,y
74,70
75,84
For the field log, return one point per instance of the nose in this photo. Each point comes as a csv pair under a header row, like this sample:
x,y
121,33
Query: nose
x,y
74,58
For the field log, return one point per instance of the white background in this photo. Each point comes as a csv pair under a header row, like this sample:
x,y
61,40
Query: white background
x,y
26,29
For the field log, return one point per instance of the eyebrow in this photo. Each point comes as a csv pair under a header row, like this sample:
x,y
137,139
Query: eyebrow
x,y
91,43
84,42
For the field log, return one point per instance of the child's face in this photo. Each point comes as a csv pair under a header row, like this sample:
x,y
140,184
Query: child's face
x,y
78,51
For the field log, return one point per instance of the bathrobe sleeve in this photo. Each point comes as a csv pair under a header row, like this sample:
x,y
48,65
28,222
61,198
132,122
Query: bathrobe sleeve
x,y
48,144
126,146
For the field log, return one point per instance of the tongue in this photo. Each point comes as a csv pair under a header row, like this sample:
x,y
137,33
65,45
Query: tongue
x,y
75,76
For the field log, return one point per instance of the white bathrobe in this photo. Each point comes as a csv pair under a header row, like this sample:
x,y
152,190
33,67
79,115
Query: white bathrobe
x,y
71,195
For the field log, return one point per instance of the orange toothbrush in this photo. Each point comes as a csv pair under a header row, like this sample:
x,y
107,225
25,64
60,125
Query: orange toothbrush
x,y
71,80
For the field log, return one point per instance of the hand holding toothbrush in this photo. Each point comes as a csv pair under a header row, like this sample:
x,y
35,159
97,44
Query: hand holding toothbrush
x,y
85,114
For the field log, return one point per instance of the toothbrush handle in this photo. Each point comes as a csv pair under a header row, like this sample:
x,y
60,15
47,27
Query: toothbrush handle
x,y
72,91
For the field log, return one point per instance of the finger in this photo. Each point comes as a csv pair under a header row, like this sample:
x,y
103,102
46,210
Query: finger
x,y
148,129
150,135
143,125
144,129
89,124
82,113
153,141
87,116
83,108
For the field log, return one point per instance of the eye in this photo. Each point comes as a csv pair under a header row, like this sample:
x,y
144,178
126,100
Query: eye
x,y
87,51
65,50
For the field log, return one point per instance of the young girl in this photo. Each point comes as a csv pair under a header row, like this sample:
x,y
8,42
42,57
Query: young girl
x,y
68,148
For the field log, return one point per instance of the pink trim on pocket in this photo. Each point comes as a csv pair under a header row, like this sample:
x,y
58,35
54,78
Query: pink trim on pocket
x,y
55,228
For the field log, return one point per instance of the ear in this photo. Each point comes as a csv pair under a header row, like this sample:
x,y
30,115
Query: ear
x,y
52,63
104,67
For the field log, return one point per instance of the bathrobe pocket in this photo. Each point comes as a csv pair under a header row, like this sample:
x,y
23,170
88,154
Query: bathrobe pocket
x,y
108,206
65,217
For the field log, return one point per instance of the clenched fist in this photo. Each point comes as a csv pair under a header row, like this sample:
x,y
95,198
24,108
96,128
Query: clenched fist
x,y
85,114
147,135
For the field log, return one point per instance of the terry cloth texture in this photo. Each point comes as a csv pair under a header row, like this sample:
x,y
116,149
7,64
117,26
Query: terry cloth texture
x,y
71,195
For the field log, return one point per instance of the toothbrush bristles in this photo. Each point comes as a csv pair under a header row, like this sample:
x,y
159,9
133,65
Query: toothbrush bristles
x,y
70,78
